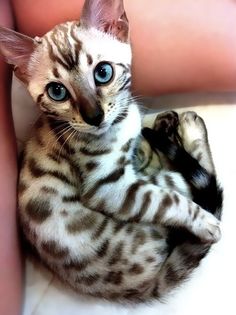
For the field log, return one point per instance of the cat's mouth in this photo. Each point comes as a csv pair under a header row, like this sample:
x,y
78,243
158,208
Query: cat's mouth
x,y
92,129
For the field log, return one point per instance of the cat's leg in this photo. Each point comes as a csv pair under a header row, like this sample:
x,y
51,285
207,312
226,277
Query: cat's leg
x,y
90,251
154,165
205,188
180,144
164,174
126,197
147,161
193,133
97,254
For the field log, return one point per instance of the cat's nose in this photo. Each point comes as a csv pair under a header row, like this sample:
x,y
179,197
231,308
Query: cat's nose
x,y
95,119
91,112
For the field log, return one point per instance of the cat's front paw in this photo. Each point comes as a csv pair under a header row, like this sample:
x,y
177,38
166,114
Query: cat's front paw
x,y
207,228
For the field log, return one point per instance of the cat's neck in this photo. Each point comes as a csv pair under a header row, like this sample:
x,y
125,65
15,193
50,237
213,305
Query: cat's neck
x,y
123,129
119,133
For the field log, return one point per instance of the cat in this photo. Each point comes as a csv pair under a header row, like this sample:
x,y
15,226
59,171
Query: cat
x,y
87,201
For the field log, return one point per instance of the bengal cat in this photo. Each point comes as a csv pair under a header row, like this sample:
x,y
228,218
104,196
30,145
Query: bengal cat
x,y
87,201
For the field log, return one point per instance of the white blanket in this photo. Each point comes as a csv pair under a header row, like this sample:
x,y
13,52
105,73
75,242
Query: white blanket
x,y
211,289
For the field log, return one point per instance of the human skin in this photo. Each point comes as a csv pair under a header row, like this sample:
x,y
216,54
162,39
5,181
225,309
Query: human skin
x,y
183,45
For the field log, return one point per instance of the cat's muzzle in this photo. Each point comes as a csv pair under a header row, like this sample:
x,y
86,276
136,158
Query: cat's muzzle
x,y
92,113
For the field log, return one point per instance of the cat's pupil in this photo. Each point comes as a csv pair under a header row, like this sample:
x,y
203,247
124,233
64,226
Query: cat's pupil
x,y
103,72
57,90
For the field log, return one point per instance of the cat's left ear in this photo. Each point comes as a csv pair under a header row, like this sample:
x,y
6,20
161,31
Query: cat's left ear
x,y
16,49
108,16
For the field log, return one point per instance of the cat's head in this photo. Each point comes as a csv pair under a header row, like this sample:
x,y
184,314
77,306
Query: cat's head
x,y
79,72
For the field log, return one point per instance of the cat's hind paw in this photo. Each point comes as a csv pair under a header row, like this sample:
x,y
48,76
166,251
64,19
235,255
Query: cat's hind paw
x,y
191,129
207,228
167,123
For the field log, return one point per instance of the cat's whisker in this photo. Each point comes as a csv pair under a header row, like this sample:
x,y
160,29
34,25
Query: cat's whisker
x,y
64,131
70,131
75,133
55,129
52,132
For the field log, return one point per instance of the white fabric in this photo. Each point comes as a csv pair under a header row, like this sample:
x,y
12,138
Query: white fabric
x,y
211,289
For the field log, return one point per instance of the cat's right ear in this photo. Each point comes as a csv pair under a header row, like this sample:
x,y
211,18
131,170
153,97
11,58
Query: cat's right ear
x,y
16,49
108,16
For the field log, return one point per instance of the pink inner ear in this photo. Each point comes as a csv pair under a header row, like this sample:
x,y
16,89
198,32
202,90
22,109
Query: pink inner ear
x,y
16,48
108,16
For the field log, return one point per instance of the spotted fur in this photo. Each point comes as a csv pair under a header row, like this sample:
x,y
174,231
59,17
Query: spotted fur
x,y
86,201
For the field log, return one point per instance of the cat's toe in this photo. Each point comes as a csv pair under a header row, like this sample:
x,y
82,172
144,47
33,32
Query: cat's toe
x,y
192,131
191,127
208,228
212,234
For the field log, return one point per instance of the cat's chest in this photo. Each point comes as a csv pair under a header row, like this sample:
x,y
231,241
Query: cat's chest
x,y
98,159
111,151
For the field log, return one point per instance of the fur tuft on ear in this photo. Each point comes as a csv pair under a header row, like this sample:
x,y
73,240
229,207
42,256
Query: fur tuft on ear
x,y
108,16
16,48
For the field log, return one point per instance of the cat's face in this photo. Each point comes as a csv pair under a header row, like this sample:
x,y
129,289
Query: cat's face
x,y
80,72
80,76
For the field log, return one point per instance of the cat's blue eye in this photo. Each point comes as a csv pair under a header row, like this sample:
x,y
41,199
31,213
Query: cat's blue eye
x,y
103,73
57,92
